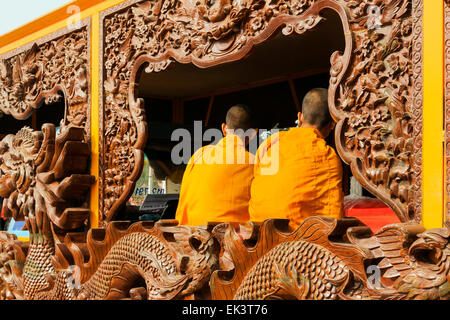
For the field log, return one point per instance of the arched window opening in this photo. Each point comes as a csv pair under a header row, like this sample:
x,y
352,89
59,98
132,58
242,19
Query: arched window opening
x,y
273,80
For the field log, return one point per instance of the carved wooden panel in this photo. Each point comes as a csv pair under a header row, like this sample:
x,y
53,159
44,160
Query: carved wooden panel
x,y
324,259
417,89
38,72
45,173
375,91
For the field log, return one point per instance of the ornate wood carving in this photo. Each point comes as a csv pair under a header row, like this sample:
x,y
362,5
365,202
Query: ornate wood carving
x,y
373,101
38,72
375,92
333,259
141,261
41,173
323,259
417,106
43,181
12,259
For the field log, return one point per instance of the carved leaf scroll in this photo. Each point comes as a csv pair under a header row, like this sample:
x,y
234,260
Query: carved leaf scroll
x,y
36,74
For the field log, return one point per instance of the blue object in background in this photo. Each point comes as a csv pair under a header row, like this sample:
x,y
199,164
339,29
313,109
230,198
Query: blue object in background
x,y
15,227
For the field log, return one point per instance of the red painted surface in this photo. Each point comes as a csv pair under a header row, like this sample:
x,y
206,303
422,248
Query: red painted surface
x,y
372,212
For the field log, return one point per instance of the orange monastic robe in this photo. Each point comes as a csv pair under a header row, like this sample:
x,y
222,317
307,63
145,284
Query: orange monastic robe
x,y
296,176
216,184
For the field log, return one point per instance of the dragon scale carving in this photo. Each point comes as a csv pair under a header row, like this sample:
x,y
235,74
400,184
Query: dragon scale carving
x,y
280,267
166,261
276,263
117,263
324,258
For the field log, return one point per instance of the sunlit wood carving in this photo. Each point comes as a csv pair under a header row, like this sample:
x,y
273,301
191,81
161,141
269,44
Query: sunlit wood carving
x,y
41,73
141,261
375,95
334,259
39,172
322,259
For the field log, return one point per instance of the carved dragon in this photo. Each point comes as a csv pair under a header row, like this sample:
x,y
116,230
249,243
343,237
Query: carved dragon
x,y
43,176
42,179
142,261
39,172
322,259
334,259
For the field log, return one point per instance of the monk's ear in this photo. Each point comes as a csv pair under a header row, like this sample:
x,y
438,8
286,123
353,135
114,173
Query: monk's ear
x,y
224,129
300,118
333,125
328,128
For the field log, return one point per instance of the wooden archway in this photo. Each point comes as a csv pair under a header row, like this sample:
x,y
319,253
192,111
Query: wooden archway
x,y
375,91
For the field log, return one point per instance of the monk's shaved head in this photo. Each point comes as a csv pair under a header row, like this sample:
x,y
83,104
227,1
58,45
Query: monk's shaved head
x,y
315,108
239,116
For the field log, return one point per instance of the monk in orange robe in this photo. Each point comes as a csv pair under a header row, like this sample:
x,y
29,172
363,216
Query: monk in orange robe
x,y
297,175
217,180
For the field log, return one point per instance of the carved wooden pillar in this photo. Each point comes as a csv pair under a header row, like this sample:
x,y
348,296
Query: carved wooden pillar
x,y
417,106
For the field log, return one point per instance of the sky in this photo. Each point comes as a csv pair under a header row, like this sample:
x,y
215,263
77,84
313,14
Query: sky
x,y
15,13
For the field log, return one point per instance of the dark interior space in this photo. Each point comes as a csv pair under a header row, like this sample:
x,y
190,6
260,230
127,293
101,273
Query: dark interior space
x,y
50,113
272,80
47,113
10,125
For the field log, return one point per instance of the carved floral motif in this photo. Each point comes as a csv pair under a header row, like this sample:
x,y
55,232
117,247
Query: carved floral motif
x,y
40,73
375,104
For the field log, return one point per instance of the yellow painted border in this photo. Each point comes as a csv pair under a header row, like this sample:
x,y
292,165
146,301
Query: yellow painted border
x,y
47,28
433,115
95,67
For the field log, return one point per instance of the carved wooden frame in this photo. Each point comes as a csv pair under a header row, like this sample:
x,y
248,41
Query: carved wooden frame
x,y
399,185
51,94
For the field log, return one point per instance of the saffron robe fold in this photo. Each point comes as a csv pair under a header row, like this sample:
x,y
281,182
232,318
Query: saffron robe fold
x,y
297,175
216,184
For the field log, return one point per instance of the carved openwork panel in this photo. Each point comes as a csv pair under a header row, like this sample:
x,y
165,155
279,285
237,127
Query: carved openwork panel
x,y
375,92
44,173
41,71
